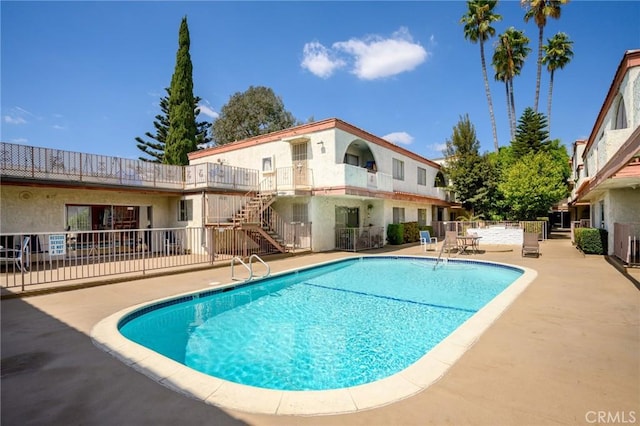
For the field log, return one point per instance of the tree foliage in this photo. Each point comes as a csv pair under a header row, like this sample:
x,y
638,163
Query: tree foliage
x,y
154,147
532,185
477,29
508,59
539,11
557,54
181,136
472,175
531,134
252,113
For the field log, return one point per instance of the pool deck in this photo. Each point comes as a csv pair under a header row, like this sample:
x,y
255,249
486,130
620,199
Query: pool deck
x,y
565,351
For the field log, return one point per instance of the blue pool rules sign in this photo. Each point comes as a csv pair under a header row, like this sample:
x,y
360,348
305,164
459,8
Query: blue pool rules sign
x,y
57,244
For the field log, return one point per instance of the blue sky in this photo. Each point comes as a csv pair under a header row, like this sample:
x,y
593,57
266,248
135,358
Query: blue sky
x,y
88,76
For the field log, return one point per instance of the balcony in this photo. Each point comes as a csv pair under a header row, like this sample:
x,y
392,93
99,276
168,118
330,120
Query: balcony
x,y
55,165
346,175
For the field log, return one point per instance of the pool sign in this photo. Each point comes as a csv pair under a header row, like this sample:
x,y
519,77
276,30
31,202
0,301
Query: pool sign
x,y
57,244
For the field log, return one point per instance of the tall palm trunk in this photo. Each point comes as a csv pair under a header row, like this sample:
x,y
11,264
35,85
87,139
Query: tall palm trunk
x,y
506,86
549,102
539,71
488,91
512,102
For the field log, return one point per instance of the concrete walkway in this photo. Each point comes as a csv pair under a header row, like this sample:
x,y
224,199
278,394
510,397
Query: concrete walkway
x,y
566,349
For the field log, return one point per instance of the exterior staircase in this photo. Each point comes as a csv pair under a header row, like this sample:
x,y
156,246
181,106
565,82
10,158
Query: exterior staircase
x,y
260,222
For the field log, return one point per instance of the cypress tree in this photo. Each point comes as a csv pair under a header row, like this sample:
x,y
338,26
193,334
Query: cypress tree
x,y
181,136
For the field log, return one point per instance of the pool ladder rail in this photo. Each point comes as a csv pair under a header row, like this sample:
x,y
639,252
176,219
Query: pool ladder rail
x,y
248,267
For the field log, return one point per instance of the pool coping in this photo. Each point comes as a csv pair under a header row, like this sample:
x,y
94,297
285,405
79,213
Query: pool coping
x,y
404,384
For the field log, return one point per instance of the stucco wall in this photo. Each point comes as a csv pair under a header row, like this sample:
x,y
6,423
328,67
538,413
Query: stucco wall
x,y
622,206
498,235
31,209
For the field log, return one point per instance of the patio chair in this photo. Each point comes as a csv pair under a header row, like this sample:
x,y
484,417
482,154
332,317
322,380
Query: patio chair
x,y
427,240
451,241
17,255
530,244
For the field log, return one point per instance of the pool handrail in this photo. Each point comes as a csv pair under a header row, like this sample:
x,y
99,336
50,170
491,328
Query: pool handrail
x,y
249,267
255,256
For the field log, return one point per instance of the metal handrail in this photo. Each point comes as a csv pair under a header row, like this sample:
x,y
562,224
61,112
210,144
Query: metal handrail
x,y
255,256
233,263
248,267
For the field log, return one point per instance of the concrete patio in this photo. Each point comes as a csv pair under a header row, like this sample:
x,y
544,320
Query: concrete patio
x,y
565,351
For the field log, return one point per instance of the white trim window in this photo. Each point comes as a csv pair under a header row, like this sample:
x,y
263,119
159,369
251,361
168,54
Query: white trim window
x,y
267,164
422,176
422,217
185,210
398,169
398,214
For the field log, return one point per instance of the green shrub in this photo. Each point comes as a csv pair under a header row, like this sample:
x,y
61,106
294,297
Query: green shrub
x,y
411,232
395,233
591,240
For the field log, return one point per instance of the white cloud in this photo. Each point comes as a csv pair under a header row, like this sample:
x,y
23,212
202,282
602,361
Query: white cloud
x,y
59,127
14,119
320,60
440,147
377,57
403,138
17,115
20,140
206,110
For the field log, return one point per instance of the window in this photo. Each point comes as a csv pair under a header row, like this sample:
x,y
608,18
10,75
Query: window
x,y
601,206
439,182
354,160
347,217
299,213
79,218
267,164
621,116
102,217
422,176
185,210
422,217
398,169
398,215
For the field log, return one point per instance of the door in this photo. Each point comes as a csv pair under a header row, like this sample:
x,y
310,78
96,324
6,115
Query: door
x,y
300,164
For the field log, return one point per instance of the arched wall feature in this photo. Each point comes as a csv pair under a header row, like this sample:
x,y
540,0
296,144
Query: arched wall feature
x,y
620,121
358,153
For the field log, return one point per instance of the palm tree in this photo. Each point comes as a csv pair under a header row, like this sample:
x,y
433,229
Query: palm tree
x,y
540,10
557,54
508,59
477,28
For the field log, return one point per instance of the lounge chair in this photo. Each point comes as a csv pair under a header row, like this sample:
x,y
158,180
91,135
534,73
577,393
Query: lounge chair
x,y
17,255
530,244
451,241
427,240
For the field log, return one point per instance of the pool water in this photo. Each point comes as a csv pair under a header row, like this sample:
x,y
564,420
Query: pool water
x,y
338,325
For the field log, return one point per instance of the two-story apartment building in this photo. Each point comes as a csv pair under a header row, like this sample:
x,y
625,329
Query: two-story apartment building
x,y
606,167
328,175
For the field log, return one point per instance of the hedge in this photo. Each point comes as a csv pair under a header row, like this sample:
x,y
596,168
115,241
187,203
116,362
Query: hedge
x,y
395,233
591,240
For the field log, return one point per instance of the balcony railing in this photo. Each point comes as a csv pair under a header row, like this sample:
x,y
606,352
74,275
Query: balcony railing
x,y
30,162
357,239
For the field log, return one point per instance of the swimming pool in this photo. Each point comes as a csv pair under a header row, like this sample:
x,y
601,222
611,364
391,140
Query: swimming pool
x,y
313,330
